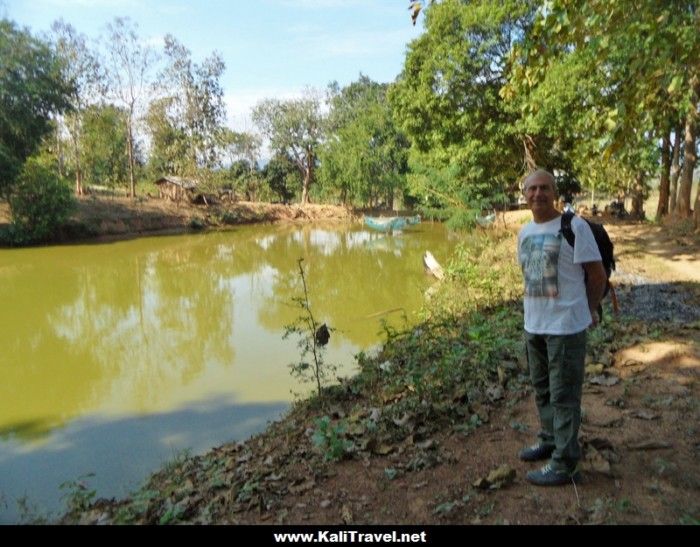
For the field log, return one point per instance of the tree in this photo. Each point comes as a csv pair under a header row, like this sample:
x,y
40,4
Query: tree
x,y
240,146
281,176
365,156
464,147
194,108
128,69
295,129
168,151
630,68
83,72
32,90
104,139
41,204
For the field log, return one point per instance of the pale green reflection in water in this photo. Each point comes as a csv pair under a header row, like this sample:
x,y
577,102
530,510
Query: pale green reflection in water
x,y
153,326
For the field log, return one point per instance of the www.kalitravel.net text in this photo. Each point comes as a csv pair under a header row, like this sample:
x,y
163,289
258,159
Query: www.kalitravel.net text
x,y
350,536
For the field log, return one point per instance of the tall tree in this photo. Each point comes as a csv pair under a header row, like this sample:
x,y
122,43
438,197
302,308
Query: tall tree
x,y
282,176
104,140
85,75
195,104
168,150
32,90
365,157
295,129
240,146
637,61
447,101
130,61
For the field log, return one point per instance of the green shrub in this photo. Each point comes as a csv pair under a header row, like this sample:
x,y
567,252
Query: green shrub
x,y
197,224
40,203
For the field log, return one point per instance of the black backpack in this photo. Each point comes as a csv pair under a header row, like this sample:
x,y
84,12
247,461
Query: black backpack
x,y
602,239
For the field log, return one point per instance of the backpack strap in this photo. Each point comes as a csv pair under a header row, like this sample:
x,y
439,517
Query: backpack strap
x,y
566,230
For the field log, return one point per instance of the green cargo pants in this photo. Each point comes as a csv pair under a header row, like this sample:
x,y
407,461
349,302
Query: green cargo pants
x,y
556,365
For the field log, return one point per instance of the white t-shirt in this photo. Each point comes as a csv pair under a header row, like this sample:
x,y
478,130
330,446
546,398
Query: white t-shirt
x,y
555,291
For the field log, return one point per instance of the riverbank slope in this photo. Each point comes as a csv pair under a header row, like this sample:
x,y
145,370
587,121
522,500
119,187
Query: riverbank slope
x,y
98,217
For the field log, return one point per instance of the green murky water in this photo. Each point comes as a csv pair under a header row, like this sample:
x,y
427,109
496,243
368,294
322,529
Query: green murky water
x,y
115,357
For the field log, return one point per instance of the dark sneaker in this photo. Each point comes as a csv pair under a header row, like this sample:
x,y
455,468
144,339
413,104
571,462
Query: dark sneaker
x,y
549,477
536,452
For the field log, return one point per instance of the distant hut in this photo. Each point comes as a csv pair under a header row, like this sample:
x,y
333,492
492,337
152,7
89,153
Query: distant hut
x,y
176,188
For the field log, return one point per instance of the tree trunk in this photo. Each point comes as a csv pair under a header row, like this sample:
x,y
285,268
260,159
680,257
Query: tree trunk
x,y
689,154
696,209
675,170
130,151
689,160
59,152
305,188
529,157
78,179
73,131
638,197
308,177
665,182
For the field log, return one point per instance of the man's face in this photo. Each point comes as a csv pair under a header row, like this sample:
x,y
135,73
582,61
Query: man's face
x,y
540,195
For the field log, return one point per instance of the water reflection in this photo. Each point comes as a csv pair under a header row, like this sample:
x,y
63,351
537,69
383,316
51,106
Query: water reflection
x,y
153,326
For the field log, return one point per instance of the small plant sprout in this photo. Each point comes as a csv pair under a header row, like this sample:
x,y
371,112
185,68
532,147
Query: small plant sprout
x,y
313,338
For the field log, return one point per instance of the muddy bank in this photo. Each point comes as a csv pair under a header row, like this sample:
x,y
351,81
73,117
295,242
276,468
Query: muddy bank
x,y
104,218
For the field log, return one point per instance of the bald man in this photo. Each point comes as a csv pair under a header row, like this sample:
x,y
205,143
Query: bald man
x,y
563,287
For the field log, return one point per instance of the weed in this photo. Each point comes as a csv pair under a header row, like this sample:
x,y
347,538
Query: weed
x,y
468,427
79,496
390,473
228,217
313,339
519,426
662,466
689,519
624,505
486,509
138,505
179,457
29,513
249,488
446,508
172,514
329,438
197,224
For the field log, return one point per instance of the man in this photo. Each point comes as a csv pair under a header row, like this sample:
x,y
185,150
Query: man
x,y
563,287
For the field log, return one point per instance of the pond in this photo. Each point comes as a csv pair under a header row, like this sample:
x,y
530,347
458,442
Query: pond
x,y
118,357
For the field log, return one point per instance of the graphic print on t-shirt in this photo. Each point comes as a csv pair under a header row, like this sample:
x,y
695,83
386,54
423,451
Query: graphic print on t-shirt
x,y
540,258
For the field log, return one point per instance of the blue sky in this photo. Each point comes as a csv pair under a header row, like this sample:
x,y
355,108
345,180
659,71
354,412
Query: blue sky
x,y
272,48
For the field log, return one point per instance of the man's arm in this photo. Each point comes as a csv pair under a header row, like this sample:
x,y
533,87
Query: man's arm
x,y
596,279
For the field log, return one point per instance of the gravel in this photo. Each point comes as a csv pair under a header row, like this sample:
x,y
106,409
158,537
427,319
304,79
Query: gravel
x,y
649,300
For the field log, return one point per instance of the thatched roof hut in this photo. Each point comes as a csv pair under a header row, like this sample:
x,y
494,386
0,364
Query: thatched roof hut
x,y
176,188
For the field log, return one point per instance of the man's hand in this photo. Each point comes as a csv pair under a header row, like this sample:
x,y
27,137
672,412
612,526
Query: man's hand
x,y
595,287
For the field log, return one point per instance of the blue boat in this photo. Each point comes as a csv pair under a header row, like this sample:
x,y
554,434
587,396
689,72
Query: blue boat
x,y
391,224
486,220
